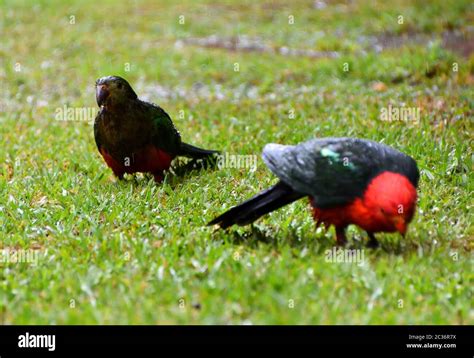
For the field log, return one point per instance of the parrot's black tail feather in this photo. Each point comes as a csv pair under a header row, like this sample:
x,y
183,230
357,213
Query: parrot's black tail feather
x,y
191,151
261,204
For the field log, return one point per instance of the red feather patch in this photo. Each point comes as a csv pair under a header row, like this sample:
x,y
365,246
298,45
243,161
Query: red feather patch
x,y
390,191
148,160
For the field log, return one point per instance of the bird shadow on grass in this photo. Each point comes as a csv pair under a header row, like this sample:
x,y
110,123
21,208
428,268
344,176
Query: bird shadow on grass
x,y
179,172
184,170
257,235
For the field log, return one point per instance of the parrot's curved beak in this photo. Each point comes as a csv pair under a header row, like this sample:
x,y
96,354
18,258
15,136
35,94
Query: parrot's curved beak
x,y
101,94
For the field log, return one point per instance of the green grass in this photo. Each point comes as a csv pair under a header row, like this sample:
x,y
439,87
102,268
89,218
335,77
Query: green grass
x,y
134,252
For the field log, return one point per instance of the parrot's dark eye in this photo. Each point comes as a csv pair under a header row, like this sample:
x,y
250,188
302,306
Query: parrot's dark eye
x,y
119,86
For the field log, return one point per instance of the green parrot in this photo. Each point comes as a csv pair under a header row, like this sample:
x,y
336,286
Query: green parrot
x,y
136,136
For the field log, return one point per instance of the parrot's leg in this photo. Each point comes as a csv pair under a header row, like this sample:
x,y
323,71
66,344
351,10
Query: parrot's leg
x,y
118,173
373,243
158,176
341,236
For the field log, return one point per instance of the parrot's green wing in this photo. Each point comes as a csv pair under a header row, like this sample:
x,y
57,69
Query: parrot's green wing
x,y
164,134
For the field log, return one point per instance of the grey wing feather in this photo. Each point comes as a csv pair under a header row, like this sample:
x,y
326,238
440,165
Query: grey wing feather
x,y
312,167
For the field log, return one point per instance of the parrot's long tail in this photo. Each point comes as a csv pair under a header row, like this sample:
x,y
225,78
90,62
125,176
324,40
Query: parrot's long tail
x,y
261,204
191,151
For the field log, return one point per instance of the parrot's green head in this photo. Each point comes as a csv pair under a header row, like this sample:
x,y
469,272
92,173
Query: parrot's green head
x,y
113,90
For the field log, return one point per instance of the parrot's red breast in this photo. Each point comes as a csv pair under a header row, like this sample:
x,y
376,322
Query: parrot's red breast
x,y
366,213
150,159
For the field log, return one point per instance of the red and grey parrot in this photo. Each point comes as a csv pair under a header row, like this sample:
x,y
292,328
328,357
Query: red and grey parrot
x,y
348,181
136,136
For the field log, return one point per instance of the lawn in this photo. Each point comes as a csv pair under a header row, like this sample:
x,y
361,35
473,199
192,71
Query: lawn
x,y
233,75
